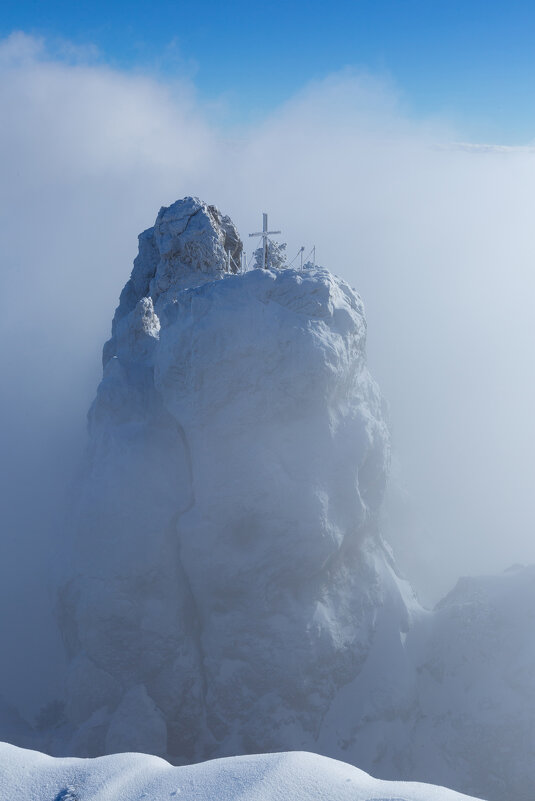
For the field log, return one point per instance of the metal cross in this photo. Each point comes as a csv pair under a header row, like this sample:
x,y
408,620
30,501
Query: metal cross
x,y
264,233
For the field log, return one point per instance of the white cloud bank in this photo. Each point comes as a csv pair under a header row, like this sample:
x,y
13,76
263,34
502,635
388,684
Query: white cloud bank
x,y
437,239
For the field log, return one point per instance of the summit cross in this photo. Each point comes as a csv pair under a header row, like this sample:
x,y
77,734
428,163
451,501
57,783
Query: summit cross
x,y
264,233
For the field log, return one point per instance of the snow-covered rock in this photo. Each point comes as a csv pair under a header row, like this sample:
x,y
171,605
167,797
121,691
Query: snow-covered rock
x,y
298,776
229,577
475,659
230,591
460,711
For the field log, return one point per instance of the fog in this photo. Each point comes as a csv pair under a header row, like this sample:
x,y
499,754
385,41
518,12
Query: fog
x,y
435,235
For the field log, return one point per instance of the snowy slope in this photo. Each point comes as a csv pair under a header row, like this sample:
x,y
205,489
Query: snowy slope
x,y
474,727
461,710
297,776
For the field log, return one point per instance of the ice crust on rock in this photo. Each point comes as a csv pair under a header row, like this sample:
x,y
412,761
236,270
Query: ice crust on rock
x,y
228,558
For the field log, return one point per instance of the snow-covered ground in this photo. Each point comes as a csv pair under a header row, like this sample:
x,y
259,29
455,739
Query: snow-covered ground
x,y
291,776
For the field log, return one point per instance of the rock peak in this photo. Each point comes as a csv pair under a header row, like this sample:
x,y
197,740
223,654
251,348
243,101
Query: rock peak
x,y
188,245
227,540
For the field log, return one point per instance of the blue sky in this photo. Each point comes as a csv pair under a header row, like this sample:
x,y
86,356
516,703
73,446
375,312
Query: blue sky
x,y
471,62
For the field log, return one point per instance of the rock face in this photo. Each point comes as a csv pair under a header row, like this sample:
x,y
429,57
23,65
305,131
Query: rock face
x,y
229,575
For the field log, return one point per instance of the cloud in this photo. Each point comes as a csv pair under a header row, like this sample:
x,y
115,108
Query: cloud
x,y
435,236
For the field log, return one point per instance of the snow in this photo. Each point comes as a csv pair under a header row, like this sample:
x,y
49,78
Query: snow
x,y
298,776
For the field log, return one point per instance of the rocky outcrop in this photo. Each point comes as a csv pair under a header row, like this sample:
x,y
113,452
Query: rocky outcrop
x,y
231,592
230,576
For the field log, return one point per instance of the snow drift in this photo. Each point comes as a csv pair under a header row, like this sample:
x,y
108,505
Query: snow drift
x,y
124,777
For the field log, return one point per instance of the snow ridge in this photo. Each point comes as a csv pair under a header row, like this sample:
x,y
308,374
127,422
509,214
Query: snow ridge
x,y
296,776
